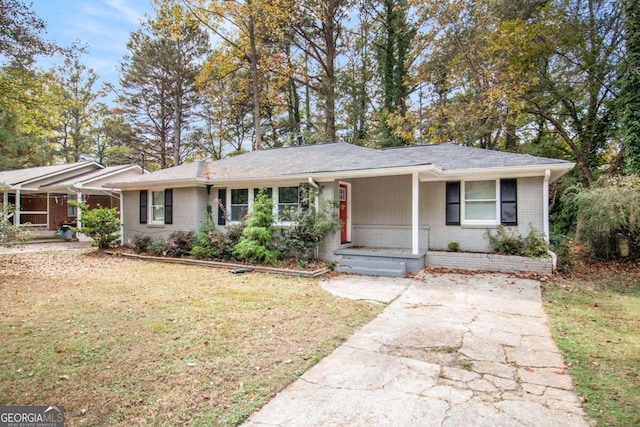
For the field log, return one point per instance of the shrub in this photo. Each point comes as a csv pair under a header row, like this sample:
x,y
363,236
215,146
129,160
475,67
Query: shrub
x,y
609,209
567,258
309,228
11,235
179,244
211,242
508,242
140,243
101,224
256,243
158,248
454,246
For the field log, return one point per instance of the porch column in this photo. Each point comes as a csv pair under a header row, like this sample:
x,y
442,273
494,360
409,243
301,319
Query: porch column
x,y
122,218
48,210
17,214
78,210
415,213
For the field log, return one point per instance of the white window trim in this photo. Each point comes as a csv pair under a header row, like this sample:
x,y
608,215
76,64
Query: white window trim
x,y
249,202
463,205
151,205
275,196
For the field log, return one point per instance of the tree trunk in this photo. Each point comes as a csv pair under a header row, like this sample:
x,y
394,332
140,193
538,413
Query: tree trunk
x,y
255,84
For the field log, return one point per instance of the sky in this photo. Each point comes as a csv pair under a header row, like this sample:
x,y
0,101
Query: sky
x,y
103,26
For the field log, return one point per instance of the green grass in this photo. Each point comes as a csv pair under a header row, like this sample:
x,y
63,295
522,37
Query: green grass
x,y
596,323
122,342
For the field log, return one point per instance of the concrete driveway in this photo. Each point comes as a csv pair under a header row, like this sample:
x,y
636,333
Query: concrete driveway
x,y
449,350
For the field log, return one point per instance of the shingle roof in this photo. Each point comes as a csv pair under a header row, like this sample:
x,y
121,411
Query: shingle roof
x,y
88,176
18,176
452,156
342,157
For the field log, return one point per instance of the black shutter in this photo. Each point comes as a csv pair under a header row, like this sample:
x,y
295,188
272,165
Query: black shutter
x,y
452,214
143,206
222,199
168,206
509,201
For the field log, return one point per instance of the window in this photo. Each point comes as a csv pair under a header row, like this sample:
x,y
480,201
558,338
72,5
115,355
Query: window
x,y
72,211
268,192
508,201
453,203
157,206
482,201
161,208
239,204
288,199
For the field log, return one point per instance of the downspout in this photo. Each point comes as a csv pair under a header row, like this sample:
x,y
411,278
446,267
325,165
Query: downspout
x,y
545,203
316,201
545,215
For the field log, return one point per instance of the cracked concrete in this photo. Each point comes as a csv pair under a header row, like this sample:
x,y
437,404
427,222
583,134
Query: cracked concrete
x,y
449,350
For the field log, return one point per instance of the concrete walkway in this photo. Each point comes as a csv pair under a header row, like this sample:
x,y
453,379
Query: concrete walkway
x,y
449,350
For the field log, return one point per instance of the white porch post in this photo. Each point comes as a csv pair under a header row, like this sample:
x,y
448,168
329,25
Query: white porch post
x,y
48,209
17,214
122,242
78,210
415,213
545,203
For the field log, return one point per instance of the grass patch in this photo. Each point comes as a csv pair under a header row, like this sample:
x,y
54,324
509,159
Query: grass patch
x,y
595,321
122,342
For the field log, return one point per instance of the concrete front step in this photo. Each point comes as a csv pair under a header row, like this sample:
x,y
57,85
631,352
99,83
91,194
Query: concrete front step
x,y
372,267
369,271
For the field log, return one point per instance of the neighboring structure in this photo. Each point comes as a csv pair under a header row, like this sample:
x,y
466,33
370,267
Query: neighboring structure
x,y
40,194
410,199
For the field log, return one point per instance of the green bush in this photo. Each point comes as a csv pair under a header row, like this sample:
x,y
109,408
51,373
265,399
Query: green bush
x,y
140,243
567,258
454,246
256,243
508,242
179,244
309,228
101,224
213,243
158,248
608,211
11,235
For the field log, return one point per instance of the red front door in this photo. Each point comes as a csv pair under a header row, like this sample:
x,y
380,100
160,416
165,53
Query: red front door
x,y
344,235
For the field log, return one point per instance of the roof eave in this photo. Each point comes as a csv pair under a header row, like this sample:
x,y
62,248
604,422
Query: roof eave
x,y
557,170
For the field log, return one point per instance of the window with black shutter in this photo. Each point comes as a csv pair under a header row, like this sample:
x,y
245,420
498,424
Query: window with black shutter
x,y
509,201
453,203
143,206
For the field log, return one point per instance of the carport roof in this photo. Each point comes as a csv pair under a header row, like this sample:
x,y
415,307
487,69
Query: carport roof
x,y
22,176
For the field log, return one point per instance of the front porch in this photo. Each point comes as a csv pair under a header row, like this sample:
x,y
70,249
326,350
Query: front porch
x,y
375,261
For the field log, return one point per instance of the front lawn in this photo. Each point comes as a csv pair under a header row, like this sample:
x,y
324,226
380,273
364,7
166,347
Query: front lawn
x,y
125,342
595,317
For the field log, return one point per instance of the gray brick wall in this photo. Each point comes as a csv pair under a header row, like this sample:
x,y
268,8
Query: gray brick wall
x,y
189,211
488,262
471,238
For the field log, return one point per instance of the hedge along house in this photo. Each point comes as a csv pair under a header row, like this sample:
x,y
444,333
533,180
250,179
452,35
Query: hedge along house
x,y
399,202
41,194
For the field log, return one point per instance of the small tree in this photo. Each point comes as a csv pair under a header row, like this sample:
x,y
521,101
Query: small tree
x,y
608,211
101,224
310,227
256,243
11,235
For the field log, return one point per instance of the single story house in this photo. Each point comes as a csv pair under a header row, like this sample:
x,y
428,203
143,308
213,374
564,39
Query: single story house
x,y
405,200
40,194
